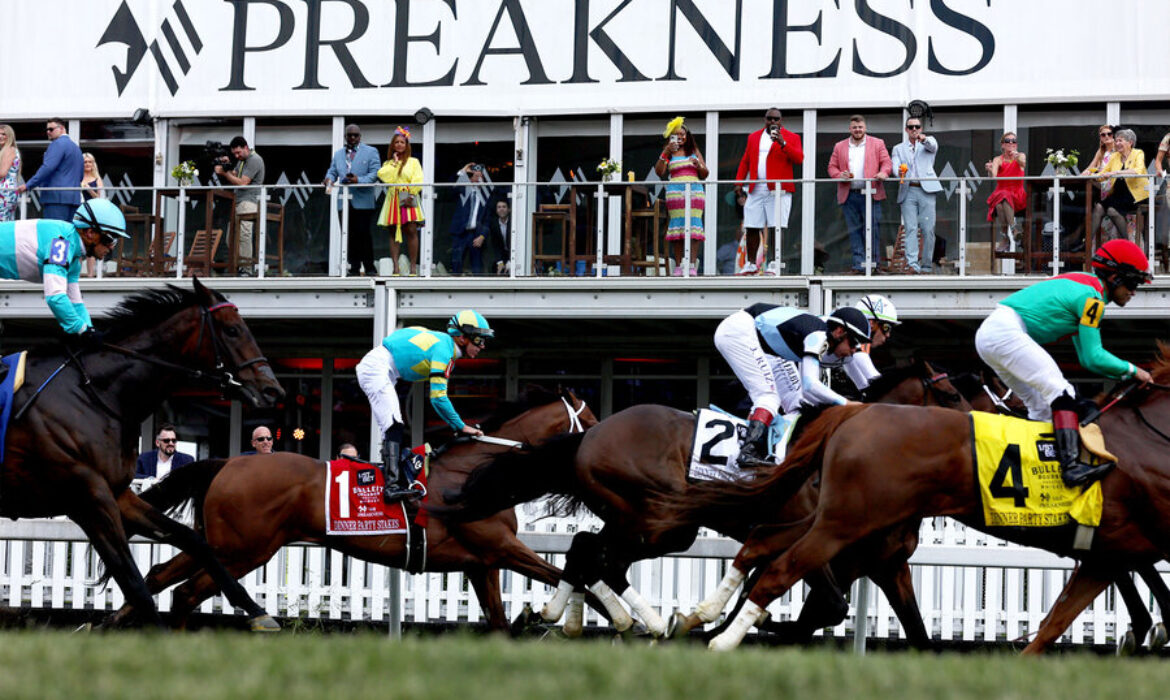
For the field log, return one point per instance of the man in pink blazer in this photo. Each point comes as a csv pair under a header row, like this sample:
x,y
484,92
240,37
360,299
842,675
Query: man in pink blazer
x,y
770,154
854,160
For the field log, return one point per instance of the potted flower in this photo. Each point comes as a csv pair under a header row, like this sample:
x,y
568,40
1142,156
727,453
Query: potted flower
x,y
185,173
1063,163
608,167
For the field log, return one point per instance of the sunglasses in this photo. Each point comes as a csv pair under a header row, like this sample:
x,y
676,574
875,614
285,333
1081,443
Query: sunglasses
x,y
885,328
913,126
1008,141
771,119
262,438
168,441
1106,133
479,341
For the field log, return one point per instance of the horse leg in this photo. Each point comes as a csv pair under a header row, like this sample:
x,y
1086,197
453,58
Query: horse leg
x,y
151,522
1161,593
160,577
581,568
898,585
1086,583
1139,617
486,582
824,607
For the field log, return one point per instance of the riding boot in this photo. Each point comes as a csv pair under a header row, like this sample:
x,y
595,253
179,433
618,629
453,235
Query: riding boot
x,y
755,439
395,488
1073,471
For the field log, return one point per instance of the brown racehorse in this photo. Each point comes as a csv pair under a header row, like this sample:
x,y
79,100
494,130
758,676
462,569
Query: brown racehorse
x,y
619,467
251,506
72,441
873,478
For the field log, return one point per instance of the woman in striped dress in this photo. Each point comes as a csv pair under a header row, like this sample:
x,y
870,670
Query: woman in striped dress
x,y
684,163
401,210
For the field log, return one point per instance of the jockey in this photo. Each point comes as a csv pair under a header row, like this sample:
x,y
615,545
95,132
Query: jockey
x,y
1071,304
882,318
51,252
417,355
777,353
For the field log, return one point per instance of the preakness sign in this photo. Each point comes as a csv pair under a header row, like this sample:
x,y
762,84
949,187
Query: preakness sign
x,y
105,58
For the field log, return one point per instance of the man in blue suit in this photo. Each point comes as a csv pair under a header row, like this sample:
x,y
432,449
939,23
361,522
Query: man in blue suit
x,y
62,167
354,164
469,225
164,459
916,193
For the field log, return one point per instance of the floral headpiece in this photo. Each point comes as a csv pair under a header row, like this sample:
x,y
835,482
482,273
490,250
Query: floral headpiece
x,y
671,126
404,131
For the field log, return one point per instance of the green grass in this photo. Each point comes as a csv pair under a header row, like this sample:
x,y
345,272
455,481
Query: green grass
x,y
287,666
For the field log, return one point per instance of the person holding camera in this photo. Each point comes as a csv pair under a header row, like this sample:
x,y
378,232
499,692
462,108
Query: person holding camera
x,y
684,162
764,161
249,170
357,164
401,208
469,225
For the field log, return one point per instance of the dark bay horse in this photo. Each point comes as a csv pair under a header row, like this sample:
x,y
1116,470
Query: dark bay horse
x,y
251,506
618,468
71,444
874,478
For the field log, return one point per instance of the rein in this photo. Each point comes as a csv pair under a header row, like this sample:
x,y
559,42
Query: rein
x,y
1137,409
930,384
575,426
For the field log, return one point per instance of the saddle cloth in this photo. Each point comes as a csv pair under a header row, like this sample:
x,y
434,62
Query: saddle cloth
x,y
353,501
715,449
1019,476
9,385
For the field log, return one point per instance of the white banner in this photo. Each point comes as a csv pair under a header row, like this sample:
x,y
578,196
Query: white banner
x,y
105,58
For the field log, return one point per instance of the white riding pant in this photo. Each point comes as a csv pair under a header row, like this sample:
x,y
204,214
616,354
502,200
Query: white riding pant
x,y
377,376
773,383
1002,341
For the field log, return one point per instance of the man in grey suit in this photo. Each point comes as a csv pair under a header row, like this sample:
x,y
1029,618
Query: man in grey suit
x,y
357,164
916,193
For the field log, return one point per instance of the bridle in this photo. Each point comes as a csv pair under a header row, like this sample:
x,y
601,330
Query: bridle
x,y
944,397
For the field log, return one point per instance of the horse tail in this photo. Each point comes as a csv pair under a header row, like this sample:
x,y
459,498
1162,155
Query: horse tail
x,y
754,499
188,484
511,478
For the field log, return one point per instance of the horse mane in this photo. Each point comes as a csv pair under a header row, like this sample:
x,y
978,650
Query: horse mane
x,y
1161,369
894,376
149,308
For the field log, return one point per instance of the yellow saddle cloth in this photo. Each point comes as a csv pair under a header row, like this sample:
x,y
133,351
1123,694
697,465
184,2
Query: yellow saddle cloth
x,y
1019,475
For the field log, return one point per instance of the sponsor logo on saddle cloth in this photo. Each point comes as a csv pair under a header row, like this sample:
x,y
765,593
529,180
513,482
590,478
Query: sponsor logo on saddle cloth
x,y
353,501
1019,476
715,449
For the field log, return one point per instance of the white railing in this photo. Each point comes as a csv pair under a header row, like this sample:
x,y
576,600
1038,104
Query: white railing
x,y
971,587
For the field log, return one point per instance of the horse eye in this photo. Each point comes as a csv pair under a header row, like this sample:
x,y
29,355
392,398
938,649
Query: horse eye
x,y
231,331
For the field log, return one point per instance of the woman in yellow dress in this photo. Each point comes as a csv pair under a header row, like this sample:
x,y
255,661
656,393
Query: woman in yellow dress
x,y
401,209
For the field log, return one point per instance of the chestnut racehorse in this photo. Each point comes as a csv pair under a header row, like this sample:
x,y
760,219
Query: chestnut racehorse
x,y
251,506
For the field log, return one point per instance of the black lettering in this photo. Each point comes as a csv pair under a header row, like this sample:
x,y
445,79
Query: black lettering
x,y
727,58
1009,463
581,35
314,42
240,47
527,47
780,43
964,24
402,41
885,25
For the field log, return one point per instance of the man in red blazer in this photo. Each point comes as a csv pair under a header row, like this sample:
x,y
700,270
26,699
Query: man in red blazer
x,y
768,159
854,160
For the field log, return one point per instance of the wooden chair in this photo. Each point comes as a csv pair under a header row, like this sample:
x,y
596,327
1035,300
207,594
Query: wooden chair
x,y
643,225
554,215
274,215
200,258
165,263
134,255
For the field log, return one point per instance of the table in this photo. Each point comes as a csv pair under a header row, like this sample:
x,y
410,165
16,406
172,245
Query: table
x,y
209,196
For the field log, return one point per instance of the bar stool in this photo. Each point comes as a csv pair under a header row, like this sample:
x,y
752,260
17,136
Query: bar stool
x,y
554,216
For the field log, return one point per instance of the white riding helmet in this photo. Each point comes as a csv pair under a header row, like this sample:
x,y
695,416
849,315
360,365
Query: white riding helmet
x,y
878,308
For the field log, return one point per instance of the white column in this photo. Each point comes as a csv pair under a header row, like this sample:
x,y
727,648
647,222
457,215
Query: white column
x,y
426,243
1010,117
336,262
613,237
711,211
808,193
1113,112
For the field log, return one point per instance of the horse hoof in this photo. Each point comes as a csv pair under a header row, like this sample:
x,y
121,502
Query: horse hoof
x,y
1158,637
679,626
84,628
264,623
1127,645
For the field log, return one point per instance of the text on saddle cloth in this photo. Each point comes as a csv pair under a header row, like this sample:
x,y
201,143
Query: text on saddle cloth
x,y
353,501
13,379
1019,476
715,449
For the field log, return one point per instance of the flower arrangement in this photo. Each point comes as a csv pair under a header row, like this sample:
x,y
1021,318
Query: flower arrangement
x,y
1062,161
608,167
185,172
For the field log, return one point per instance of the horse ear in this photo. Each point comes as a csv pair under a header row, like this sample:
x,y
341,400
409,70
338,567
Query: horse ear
x,y
206,296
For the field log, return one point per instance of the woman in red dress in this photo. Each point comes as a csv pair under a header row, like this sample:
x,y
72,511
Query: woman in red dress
x,y
1008,197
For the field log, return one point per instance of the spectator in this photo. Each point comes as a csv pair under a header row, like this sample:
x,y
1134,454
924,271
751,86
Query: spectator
x,y
401,209
348,449
1008,197
469,225
917,189
249,170
1125,195
261,441
164,458
61,167
9,173
357,164
1105,149
500,235
766,160
854,161
684,162
91,188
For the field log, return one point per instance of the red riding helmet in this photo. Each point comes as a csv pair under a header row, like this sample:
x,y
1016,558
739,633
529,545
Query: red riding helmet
x,y
1124,258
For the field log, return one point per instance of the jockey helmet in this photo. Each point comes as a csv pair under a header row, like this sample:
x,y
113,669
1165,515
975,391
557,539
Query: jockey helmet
x,y
103,216
879,309
1124,258
853,321
470,323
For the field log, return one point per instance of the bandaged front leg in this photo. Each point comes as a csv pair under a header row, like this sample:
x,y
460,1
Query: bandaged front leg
x,y
641,607
709,609
575,616
555,607
748,616
613,607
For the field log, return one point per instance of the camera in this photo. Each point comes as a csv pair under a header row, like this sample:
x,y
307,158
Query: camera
x,y
217,153
675,138
773,130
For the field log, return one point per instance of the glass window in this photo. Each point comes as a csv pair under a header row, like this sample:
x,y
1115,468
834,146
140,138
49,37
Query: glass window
x,y
568,152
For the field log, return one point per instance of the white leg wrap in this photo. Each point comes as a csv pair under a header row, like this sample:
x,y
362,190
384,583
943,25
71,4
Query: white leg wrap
x,y
617,613
748,616
641,607
555,607
575,616
709,609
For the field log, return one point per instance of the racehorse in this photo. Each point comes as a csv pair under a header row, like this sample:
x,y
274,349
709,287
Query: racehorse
x,y
251,506
620,466
71,444
873,478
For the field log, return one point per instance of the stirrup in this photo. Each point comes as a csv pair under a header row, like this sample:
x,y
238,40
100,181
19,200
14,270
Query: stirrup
x,y
390,496
1081,474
